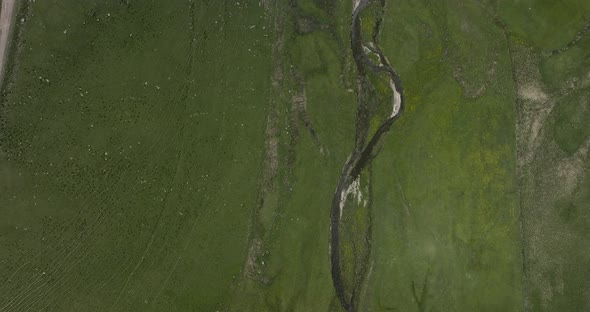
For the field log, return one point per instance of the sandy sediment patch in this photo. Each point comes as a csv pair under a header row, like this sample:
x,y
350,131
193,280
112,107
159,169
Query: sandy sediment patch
x,y
6,18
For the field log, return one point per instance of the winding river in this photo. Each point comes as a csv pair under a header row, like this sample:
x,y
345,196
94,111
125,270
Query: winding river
x,y
364,150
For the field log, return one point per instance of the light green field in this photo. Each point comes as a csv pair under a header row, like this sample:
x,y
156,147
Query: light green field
x,y
551,52
183,155
446,201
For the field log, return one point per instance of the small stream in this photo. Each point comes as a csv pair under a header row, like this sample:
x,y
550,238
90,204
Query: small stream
x,y
364,150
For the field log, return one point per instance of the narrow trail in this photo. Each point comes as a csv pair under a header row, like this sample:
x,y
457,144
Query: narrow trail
x,y
6,20
364,150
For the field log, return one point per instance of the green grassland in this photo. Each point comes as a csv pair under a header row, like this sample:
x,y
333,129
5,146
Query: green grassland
x,y
131,145
446,200
551,49
182,156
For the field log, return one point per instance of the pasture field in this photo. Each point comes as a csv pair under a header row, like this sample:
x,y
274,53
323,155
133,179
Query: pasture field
x,y
131,146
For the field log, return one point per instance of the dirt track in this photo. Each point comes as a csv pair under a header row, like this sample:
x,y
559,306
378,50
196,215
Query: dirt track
x,y
6,18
